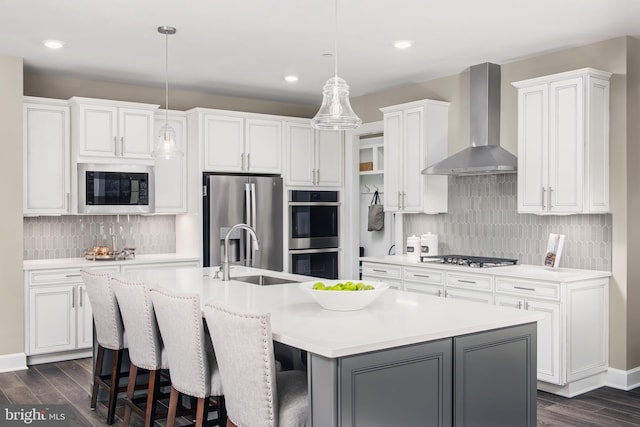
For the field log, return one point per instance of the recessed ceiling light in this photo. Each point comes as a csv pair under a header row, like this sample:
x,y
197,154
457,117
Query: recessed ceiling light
x,y
403,44
53,44
291,78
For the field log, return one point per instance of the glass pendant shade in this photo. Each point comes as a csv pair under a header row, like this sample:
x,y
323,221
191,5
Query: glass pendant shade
x,y
166,147
335,112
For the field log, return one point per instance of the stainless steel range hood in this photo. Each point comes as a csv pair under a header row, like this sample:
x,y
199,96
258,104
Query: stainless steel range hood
x,y
484,156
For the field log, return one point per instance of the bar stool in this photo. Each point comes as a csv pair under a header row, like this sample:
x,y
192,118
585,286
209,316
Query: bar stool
x,y
146,350
255,393
109,334
194,371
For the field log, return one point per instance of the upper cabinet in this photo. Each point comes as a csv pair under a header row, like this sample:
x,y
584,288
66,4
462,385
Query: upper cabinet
x,y
240,142
112,129
171,174
563,143
314,158
46,156
415,136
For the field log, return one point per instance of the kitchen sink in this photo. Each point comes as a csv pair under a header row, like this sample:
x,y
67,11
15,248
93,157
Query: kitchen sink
x,y
263,280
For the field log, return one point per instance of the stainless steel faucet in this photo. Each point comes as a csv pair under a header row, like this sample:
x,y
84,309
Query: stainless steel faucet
x,y
225,263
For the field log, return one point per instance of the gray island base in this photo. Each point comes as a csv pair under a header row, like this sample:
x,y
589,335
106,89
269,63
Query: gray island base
x,y
480,379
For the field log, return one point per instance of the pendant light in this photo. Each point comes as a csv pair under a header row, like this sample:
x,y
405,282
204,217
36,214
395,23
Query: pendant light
x,y
335,112
166,147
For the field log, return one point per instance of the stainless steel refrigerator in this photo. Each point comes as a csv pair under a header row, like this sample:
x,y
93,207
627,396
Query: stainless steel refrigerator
x,y
255,200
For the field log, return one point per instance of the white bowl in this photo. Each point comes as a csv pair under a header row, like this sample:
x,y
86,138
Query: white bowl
x,y
344,300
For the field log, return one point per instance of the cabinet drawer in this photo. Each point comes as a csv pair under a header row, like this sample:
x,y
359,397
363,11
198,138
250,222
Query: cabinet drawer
x,y
423,275
528,288
470,281
63,275
424,288
395,284
382,271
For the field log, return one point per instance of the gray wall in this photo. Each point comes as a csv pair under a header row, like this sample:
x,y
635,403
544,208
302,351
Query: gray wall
x,y
11,289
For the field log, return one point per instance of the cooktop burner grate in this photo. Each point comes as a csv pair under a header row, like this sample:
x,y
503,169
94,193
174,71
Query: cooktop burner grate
x,y
469,261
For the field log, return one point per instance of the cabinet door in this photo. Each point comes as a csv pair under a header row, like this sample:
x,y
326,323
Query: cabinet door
x,y
223,143
46,159
566,145
424,288
329,158
548,334
392,160
300,161
98,128
263,146
533,134
171,174
52,319
135,129
412,155
474,296
84,319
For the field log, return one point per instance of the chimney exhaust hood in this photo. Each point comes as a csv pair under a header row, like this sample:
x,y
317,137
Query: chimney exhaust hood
x,y
484,156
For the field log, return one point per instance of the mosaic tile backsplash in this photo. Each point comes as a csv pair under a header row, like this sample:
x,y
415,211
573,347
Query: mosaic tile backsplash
x,y
483,220
68,236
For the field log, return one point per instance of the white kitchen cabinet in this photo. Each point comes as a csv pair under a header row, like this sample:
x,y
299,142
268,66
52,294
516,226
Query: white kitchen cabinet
x,y
241,143
106,129
415,136
58,314
563,143
171,174
389,274
548,333
46,157
313,158
423,280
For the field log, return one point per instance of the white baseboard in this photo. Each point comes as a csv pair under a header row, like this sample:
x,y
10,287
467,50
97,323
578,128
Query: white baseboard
x,y
575,388
623,380
13,362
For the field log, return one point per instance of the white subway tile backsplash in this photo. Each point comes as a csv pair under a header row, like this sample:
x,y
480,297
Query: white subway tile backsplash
x,y
483,220
70,235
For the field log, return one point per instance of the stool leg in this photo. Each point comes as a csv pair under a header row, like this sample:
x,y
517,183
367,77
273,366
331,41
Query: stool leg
x,y
115,383
97,371
201,411
173,405
153,392
131,387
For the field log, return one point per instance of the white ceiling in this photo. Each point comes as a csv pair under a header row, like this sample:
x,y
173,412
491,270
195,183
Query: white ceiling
x,y
246,47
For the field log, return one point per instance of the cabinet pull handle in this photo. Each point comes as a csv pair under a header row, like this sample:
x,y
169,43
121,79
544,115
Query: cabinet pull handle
x,y
68,202
80,297
122,146
446,293
467,281
399,196
73,297
317,176
72,275
526,305
426,276
242,161
379,271
115,145
248,161
544,190
550,198
404,203
439,292
519,305
524,288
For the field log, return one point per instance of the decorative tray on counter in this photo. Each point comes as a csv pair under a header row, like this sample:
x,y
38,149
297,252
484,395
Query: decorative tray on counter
x,y
103,254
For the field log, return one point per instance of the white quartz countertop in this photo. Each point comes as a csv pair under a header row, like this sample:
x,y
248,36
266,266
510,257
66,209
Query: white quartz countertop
x,y
396,318
44,264
525,271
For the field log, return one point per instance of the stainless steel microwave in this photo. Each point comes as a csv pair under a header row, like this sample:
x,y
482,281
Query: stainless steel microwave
x,y
115,189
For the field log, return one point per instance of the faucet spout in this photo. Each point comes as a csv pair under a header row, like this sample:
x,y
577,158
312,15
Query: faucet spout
x,y
225,263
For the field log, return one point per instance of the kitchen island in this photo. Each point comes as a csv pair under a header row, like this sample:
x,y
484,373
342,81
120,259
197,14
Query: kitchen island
x,y
406,359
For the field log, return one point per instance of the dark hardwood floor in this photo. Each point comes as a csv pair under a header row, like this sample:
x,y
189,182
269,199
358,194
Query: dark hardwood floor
x,y
69,383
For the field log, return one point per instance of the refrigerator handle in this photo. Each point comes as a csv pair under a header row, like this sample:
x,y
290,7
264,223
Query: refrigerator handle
x,y
247,220
254,221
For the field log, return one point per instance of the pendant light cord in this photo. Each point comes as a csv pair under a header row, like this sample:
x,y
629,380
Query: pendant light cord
x,y
166,78
335,41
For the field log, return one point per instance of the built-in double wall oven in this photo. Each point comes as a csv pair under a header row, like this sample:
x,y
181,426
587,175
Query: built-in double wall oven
x,y
314,233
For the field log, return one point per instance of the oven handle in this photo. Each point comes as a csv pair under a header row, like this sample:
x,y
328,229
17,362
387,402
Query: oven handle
x,y
313,251
314,203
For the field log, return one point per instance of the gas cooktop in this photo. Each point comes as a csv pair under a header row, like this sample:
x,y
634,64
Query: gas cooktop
x,y
469,261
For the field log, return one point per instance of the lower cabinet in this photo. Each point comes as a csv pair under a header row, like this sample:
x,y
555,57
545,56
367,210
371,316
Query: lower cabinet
x,y
481,379
58,315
